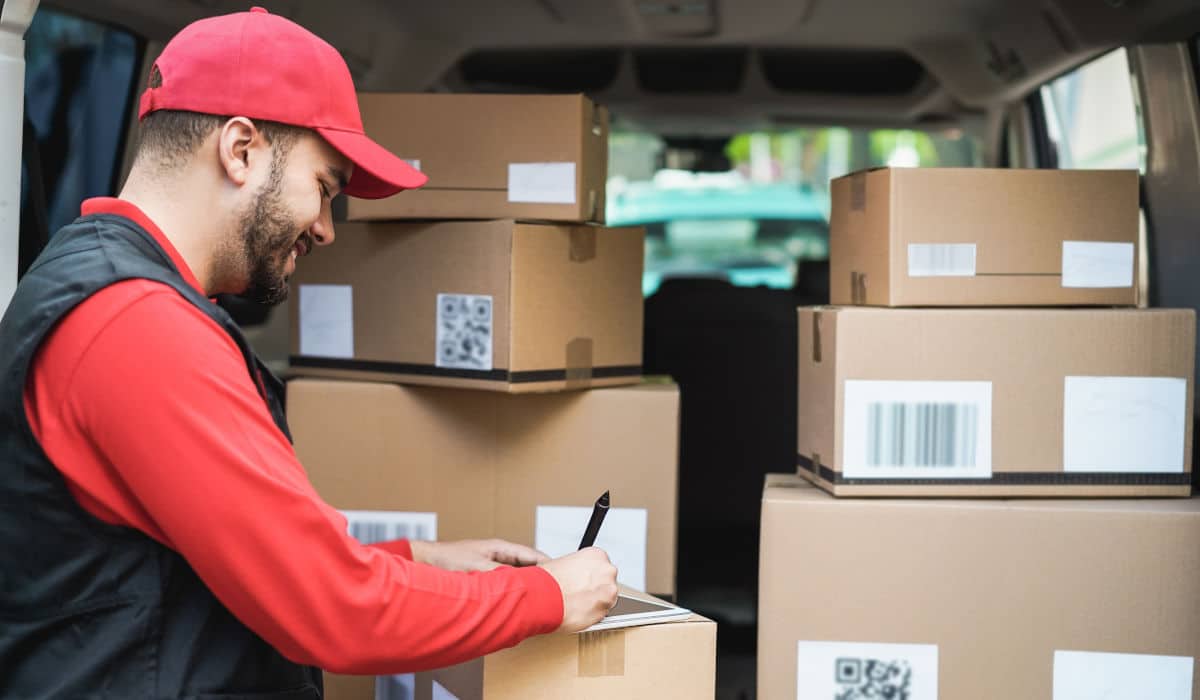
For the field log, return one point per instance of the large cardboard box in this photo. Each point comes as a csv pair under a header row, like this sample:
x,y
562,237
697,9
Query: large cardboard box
x,y
980,599
996,402
523,468
494,305
984,237
541,157
673,660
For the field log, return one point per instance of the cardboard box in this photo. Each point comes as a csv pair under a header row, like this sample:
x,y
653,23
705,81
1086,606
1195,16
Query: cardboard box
x,y
993,599
984,237
996,402
669,660
493,305
523,468
539,157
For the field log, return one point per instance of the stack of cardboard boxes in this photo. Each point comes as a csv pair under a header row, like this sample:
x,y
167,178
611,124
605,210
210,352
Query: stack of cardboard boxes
x,y
442,345
994,389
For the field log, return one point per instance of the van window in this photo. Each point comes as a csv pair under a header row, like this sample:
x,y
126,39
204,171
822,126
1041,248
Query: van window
x,y
752,208
79,78
1092,116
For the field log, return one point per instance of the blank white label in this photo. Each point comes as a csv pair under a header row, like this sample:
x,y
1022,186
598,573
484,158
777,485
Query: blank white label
x,y
398,687
440,692
1097,265
1124,424
941,260
1085,675
327,320
832,670
541,183
464,331
623,536
371,526
917,430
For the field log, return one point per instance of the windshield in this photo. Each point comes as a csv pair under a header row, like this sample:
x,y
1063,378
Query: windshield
x,y
748,209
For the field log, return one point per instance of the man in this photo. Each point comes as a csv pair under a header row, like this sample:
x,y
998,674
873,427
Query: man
x,y
158,538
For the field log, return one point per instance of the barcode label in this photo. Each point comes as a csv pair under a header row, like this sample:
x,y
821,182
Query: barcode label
x,y
371,526
941,260
917,430
862,671
1084,675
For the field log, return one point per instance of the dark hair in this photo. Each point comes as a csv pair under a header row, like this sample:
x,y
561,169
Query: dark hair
x,y
170,137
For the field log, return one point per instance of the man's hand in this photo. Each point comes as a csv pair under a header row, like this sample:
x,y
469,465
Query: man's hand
x,y
589,587
475,555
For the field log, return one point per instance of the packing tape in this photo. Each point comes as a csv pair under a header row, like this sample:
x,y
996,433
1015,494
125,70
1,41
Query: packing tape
x,y
579,364
858,288
593,213
602,653
816,336
583,242
858,192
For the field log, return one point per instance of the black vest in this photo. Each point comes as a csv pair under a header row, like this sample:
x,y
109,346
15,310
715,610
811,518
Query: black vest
x,y
87,609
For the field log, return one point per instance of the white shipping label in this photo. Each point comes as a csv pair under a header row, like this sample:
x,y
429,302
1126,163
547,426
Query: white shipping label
x,y
917,430
398,687
623,536
371,526
1085,675
464,331
941,260
1124,424
1097,265
327,320
853,670
541,183
440,692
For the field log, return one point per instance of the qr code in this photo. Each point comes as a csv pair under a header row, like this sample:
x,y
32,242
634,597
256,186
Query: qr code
x,y
464,331
872,679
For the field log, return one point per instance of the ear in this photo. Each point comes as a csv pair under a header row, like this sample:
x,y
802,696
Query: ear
x,y
237,143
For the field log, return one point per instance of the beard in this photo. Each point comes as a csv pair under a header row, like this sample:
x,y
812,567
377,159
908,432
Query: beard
x,y
265,240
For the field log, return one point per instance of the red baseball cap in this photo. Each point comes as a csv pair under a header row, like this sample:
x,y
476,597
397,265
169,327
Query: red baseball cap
x,y
263,66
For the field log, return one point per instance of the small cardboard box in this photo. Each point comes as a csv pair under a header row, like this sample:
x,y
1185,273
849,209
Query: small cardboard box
x,y
984,237
996,402
468,464
668,660
981,599
496,305
534,157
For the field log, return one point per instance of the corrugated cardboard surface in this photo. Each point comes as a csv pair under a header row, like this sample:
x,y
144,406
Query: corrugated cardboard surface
x,y
997,585
567,301
465,143
485,461
1018,220
1025,353
673,660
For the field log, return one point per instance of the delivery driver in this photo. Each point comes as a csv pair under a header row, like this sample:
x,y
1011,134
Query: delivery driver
x,y
158,537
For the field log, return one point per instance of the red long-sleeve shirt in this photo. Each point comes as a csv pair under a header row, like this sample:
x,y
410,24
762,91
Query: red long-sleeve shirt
x,y
145,406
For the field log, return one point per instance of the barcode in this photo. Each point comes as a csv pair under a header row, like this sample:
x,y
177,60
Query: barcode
x,y
941,260
922,434
369,527
402,687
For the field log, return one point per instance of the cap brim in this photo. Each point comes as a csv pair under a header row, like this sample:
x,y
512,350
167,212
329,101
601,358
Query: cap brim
x,y
377,173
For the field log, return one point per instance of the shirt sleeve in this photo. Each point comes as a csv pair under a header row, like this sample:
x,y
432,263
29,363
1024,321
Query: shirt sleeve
x,y
163,397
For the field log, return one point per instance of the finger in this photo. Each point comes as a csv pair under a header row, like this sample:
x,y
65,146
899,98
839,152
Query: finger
x,y
517,554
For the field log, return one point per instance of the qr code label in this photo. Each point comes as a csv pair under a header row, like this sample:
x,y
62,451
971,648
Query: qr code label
x,y
866,671
464,331
860,679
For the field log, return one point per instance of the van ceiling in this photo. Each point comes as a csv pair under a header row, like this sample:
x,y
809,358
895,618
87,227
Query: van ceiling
x,y
712,66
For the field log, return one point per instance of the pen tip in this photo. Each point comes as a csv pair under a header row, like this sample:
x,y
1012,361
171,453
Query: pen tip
x,y
604,498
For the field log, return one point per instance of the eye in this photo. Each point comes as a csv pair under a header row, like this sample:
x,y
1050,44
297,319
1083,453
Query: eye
x,y
324,191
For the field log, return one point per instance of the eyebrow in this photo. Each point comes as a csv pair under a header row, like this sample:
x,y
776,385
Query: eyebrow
x,y
338,175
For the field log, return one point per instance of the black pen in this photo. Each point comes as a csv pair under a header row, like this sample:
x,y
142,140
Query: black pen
x,y
593,526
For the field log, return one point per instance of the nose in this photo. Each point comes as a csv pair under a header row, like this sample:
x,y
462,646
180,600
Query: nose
x,y
322,229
